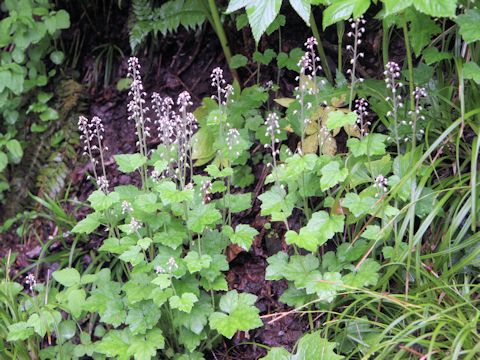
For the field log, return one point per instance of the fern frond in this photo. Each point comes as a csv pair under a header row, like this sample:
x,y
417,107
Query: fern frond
x,y
164,19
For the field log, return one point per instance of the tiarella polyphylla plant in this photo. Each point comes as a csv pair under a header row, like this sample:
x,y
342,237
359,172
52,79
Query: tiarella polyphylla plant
x,y
357,29
361,109
166,246
394,86
91,134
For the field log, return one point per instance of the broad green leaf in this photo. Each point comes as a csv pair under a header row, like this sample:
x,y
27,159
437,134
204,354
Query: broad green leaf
x,y
261,14
276,266
320,228
311,346
45,320
343,9
67,277
325,286
395,6
469,25
238,61
215,172
337,119
432,55
196,262
471,71
15,150
239,313
183,303
19,331
128,163
275,203
3,161
366,275
358,205
436,8
142,316
332,175
372,144
100,201
145,347
243,236
202,217
264,58
302,7
66,330
422,29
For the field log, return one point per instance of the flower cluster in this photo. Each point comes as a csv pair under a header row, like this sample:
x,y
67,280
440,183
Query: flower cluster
x,y
136,107
381,183
135,225
31,281
166,118
357,30
206,191
361,109
126,207
233,138
308,63
91,134
224,90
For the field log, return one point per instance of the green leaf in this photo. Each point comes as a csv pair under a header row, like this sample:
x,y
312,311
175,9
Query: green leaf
x,y
311,346
202,148
261,14
49,114
145,347
320,228
67,277
215,172
236,202
66,330
302,7
202,217
142,316
358,205
471,71
128,163
275,203
195,262
432,55
332,175
366,275
100,201
243,236
436,8
45,320
343,9
183,303
238,61
468,23
422,29
239,314
324,286
395,6
276,266
19,331
57,57
15,150
372,144
3,161
87,225
337,119
264,58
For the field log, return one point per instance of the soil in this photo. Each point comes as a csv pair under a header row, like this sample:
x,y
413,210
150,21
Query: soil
x,y
179,62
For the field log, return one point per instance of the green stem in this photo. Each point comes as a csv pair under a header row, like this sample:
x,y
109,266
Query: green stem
x,y
385,42
413,188
340,33
321,51
217,25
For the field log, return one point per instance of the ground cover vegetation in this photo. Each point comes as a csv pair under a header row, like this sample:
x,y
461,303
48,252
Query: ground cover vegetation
x,y
317,198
